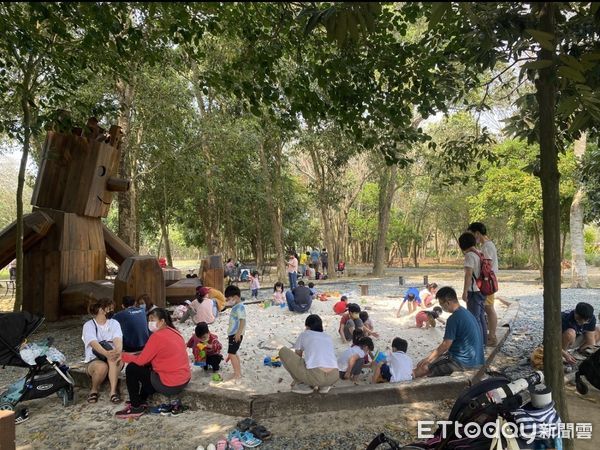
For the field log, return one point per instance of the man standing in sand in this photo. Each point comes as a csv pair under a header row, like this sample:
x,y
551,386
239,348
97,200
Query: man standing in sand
x,y
488,248
292,269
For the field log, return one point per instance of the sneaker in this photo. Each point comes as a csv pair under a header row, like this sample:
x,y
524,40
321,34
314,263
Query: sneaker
x,y
131,412
22,416
160,409
301,388
324,389
176,410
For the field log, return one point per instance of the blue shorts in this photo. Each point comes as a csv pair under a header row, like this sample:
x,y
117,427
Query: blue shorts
x,y
385,372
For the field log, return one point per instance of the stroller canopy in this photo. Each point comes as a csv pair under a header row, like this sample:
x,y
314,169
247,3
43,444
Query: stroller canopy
x,y
14,329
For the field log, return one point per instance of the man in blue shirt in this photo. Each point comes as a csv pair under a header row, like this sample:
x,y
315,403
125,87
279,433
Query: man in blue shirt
x,y
133,325
462,347
579,330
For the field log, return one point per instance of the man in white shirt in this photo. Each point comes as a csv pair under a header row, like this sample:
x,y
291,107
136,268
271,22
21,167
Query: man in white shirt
x,y
489,251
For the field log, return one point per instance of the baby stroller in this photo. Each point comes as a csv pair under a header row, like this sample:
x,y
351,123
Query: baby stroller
x,y
590,369
484,403
45,376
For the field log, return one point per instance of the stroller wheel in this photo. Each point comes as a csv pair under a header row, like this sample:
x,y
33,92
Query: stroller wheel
x,y
67,395
7,406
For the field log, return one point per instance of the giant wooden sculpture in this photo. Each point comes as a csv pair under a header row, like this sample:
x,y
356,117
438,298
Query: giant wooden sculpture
x,y
65,255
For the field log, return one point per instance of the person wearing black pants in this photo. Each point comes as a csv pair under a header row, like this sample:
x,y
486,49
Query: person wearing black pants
x,y
142,382
163,366
214,362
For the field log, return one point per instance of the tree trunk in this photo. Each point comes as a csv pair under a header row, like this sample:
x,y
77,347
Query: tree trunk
x,y
538,249
20,183
579,269
546,98
272,177
164,228
387,187
127,200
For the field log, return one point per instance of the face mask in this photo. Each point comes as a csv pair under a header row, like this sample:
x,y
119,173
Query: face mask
x,y
110,314
152,326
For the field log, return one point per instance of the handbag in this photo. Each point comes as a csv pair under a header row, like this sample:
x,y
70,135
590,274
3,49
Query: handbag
x,y
106,345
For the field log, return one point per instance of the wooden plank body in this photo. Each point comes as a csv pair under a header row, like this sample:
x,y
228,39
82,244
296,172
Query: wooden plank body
x,y
212,272
36,226
140,275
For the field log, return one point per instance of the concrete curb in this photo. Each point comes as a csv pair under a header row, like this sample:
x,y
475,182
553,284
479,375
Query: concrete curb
x,y
502,333
239,403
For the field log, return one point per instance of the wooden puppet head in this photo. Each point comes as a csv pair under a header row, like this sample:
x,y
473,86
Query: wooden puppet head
x,y
78,171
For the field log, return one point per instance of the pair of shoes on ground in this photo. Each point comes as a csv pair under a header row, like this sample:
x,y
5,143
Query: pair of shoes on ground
x,y
255,428
301,388
237,440
168,409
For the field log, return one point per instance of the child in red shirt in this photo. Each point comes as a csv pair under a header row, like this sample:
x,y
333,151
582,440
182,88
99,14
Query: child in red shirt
x,y
212,347
340,307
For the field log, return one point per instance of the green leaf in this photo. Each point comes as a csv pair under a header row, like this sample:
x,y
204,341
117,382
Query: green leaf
x,y
567,105
437,12
540,64
578,123
571,74
539,35
572,62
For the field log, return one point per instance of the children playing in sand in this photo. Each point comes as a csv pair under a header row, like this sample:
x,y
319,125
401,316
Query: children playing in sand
x,y
349,322
340,307
235,332
428,318
254,284
206,347
427,295
352,360
398,366
411,297
278,295
368,326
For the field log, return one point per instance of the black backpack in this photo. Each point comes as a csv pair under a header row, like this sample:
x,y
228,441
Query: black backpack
x,y
590,369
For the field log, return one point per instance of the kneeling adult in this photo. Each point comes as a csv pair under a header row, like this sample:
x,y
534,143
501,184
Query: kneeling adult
x,y
299,299
462,346
319,367
163,366
578,330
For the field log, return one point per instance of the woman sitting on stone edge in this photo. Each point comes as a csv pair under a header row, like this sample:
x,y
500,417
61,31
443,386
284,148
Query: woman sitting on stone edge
x,y
98,329
162,366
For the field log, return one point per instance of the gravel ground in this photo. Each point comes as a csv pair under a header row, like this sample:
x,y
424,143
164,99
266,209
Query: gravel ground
x,y
337,430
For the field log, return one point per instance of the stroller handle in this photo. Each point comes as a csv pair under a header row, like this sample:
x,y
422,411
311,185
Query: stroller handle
x,y
498,395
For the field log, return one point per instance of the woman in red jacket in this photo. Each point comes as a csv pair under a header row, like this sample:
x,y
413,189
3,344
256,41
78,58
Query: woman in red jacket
x,y
163,366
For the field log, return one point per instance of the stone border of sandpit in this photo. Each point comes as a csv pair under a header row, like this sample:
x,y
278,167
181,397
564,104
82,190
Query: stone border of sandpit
x,y
239,403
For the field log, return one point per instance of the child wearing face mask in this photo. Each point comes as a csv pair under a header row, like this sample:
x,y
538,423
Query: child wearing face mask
x,y
349,322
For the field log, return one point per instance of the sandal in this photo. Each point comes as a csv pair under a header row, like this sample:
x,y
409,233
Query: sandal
x,y
246,424
93,397
261,432
116,399
236,444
